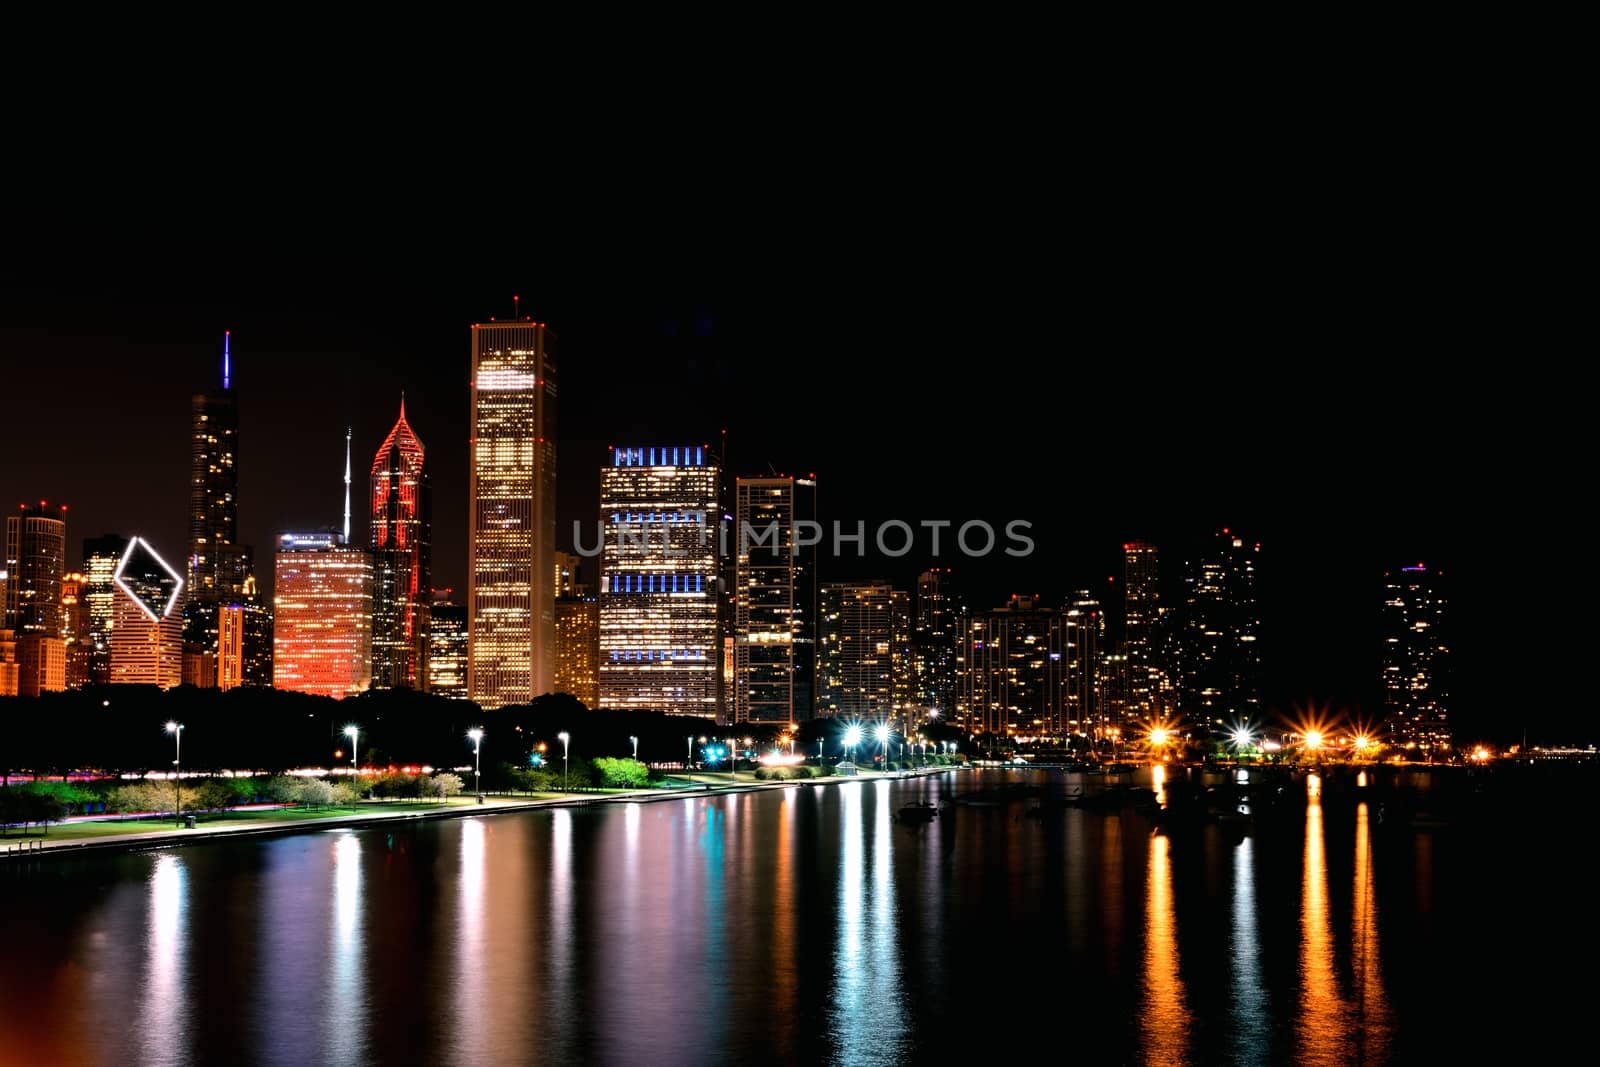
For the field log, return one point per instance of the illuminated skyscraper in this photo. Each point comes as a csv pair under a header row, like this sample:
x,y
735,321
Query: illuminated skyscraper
x,y
1149,689
401,517
578,648
8,664
935,635
100,558
1015,682
511,595
75,628
1086,629
567,576
865,667
35,559
147,627
1221,664
447,648
775,601
218,565
658,580
322,616
1416,653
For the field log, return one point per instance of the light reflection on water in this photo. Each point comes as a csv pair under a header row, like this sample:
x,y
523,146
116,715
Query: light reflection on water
x,y
1249,1017
165,1013
344,1010
1165,1017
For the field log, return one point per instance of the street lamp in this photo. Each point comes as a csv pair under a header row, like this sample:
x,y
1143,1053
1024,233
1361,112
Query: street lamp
x,y
476,736
882,733
852,738
564,738
689,755
176,730
635,741
352,732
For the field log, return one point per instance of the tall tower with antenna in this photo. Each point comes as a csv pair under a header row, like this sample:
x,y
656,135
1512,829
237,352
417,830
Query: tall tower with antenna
x,y
219,568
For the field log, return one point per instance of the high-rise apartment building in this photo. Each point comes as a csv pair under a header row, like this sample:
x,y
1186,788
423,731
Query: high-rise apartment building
x,y
865,667
511,593
148,619
322,615
1149,686
1015,681
578,648
775,601
75,628
1082,701
1221,653
1415,657
35,560
935,640
658,580
401,529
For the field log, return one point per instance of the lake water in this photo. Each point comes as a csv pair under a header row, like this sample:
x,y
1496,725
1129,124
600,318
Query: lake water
x,y
810,925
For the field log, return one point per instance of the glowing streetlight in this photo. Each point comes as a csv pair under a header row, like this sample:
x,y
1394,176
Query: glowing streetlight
x,y
635,741
564,738
1363,742
476,736
852,738
1314,739
689,755
1243,738
352,732
176,730
882,734
1160,736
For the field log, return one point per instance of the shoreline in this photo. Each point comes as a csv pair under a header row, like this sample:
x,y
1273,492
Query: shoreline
x,y
159,839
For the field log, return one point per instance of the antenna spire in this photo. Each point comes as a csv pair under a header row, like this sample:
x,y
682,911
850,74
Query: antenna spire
x,y
227,360
402,405
347,433
516,307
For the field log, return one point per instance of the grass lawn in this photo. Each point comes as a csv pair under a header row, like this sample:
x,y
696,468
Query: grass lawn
x,y
79,831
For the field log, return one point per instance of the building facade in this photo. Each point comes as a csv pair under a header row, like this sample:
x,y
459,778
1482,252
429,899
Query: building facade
x,y
447,650
511,594
1083,701
34,562
75,628
865,671
218,565
148,619
1415,657
935,637
658,580
1149,688
100,558
401,532
1015,681
1221,652
774,601
322,616
578,648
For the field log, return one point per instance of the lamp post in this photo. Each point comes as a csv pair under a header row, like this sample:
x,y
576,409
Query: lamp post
x,y
635,741
176,730
564,738
352,732
882,733
852,738
476,736
688,757
819,750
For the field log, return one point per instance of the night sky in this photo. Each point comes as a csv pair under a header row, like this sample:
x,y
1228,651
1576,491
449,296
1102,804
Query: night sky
x,y
1320,404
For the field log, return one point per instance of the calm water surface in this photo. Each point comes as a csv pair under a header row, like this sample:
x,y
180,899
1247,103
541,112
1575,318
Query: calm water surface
x,y
807,925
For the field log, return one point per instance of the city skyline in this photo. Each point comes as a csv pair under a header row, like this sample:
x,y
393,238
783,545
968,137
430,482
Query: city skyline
x,y
1301,671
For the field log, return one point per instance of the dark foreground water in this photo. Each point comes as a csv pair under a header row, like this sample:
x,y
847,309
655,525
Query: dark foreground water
x,y
811,925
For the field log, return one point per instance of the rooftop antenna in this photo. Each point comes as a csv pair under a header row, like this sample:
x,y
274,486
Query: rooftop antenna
x,y
227,363
402,405
347,433
516,307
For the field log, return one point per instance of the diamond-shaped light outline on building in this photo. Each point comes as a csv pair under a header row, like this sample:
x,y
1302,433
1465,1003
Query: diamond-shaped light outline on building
x,y
116,576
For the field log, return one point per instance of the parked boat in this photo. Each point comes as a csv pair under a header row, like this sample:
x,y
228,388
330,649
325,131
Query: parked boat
x,y
918,812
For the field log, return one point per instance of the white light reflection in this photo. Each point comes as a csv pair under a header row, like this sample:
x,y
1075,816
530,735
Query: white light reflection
x,y
345,1022
165,1013
470,932
1250,1021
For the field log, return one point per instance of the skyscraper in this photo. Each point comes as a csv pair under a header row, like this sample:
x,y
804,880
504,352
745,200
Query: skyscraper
x,y
75,628
35,559
1144,641
1416,652
447,648
1221,665
658,580
1015,683
147,627
218,565
567,575
775,601
322,617
401,517
935,635
578,648
100,558
866,652
1082,706
511,595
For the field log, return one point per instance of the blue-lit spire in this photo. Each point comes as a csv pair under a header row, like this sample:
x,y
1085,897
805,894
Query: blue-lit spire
x,y
227,364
